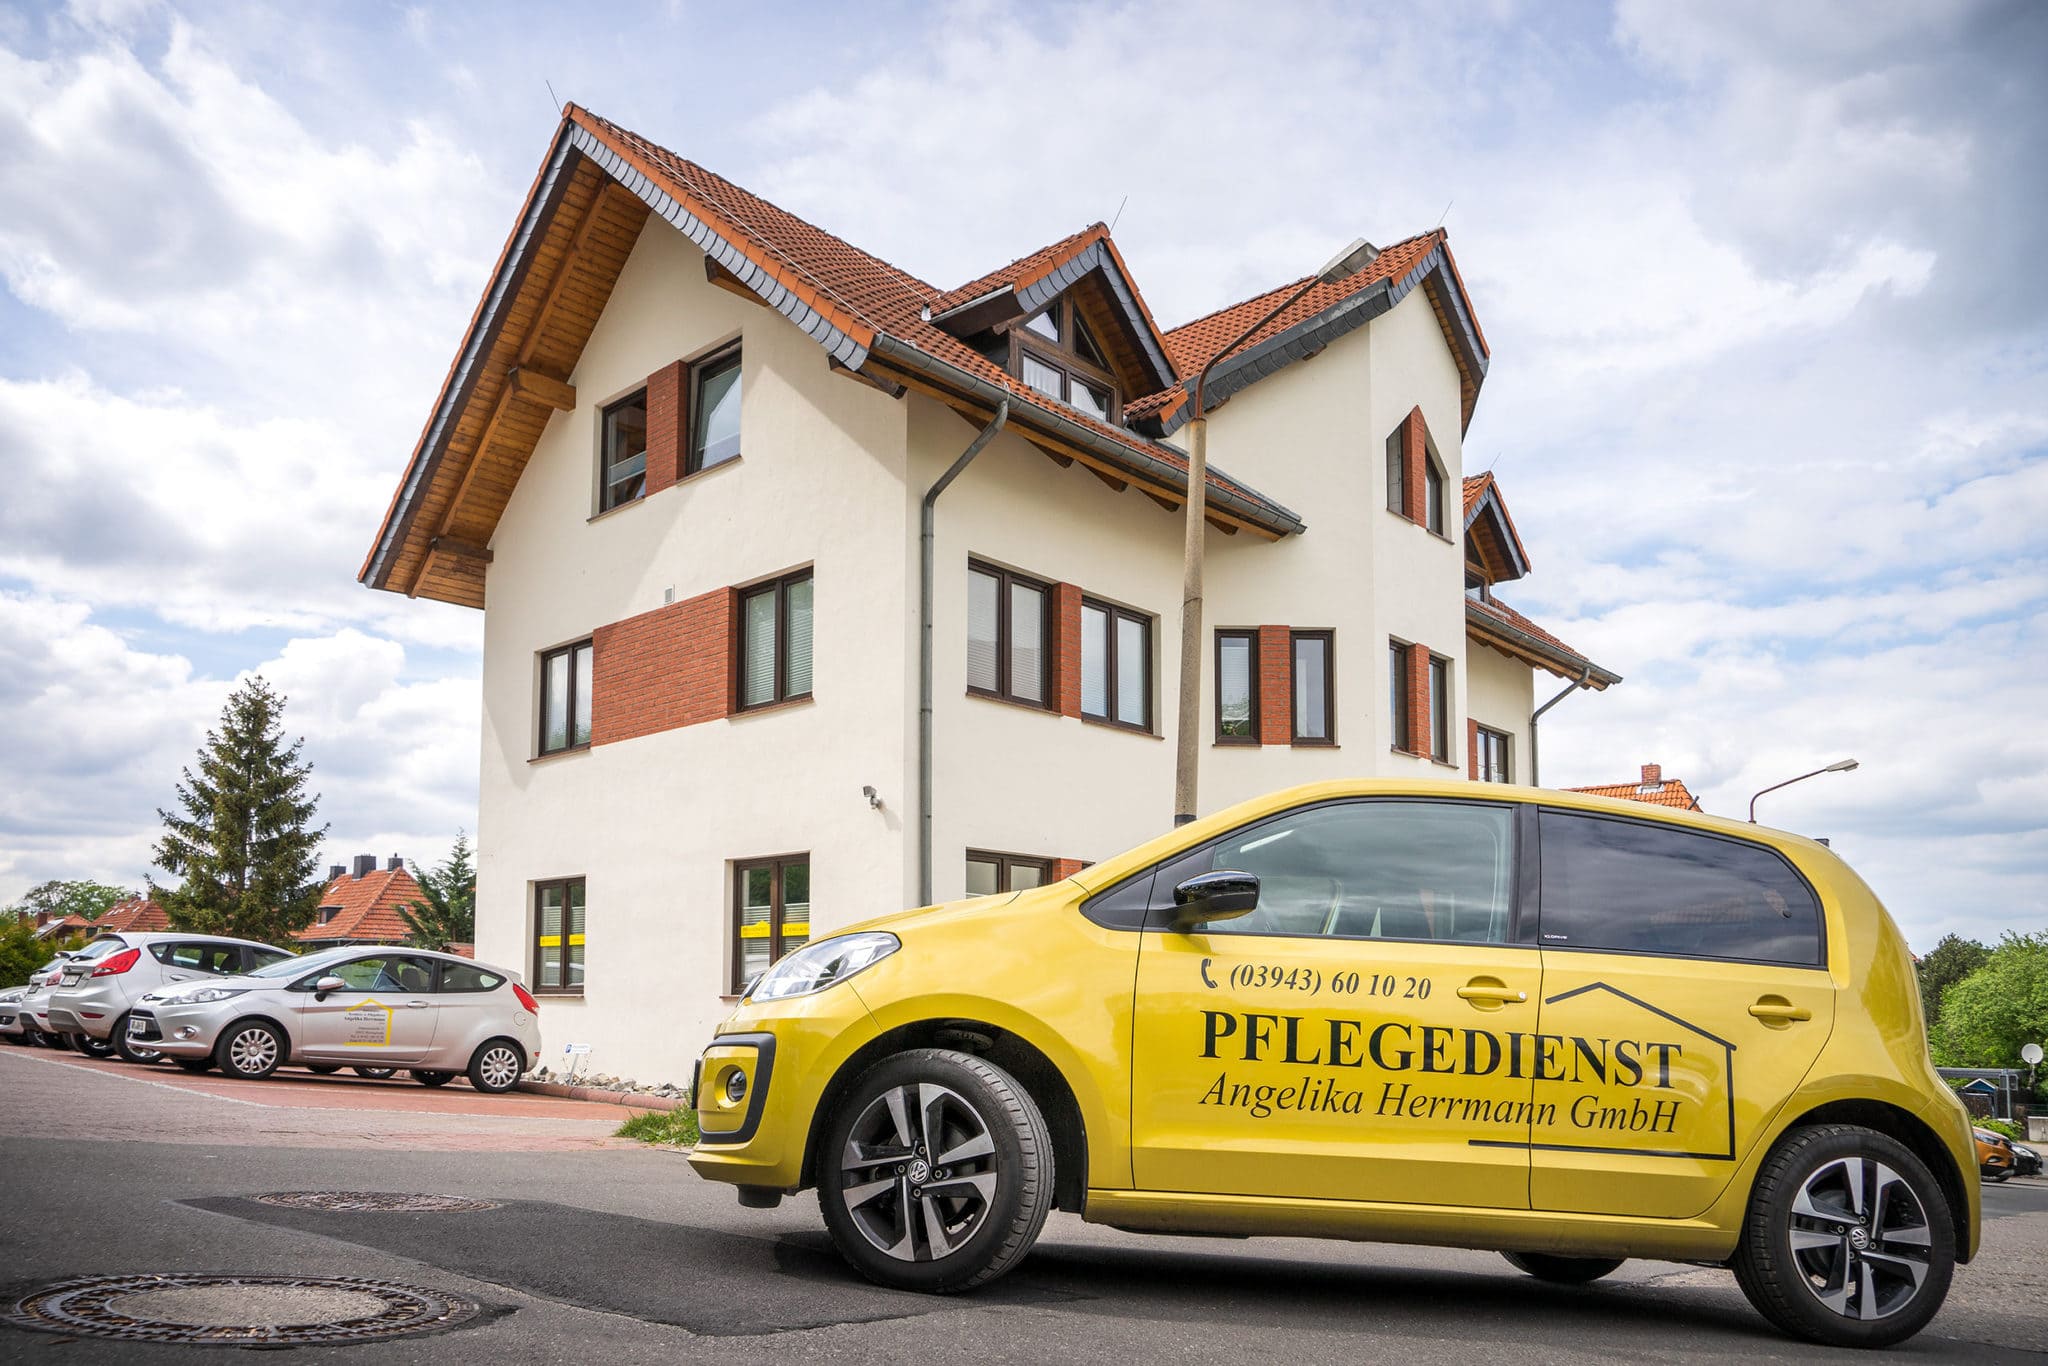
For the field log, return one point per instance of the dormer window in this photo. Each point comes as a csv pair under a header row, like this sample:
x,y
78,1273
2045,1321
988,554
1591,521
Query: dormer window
x,y
1055,353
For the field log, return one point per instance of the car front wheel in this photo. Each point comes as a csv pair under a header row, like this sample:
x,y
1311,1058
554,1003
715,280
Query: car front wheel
x,y
250,1051
132,1052
1848,1239
1562,1270
937,1175
496,1067
91,1047
376,1073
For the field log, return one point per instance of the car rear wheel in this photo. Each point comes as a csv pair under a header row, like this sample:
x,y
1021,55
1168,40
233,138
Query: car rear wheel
x,y
91,1047
251,1051
323,1069
194,1064
937,1175
376,1073
132,1052
1848,1240
1562,1270
496,1066
432,1078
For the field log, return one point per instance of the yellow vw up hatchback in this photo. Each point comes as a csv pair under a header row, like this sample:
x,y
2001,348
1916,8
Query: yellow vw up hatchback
x,y
1571,1029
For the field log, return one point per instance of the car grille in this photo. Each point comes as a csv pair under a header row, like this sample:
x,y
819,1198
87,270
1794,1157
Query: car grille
x,y
142,1027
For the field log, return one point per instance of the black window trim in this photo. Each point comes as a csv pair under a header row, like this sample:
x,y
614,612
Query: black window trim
x,y
1250,635
1507,753
1004,690
1328,636
693,453
541,730
778,906
1439,717
1820,905
780,588
1112,667
604,451
1400,693
533,937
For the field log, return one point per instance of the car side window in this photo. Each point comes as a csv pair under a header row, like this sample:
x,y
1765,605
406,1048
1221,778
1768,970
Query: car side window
x,y
1636,887
263,958
468,977
386,974
1369,870
190,957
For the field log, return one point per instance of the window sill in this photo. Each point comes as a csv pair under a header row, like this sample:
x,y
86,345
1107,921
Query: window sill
x,y
613,512
558,993
1018,703
1233,742
1443,763
764,708
1107,724
559,754
1313,744
694,475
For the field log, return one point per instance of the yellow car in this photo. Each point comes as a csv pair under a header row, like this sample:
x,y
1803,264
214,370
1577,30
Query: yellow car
x,y
1571,1029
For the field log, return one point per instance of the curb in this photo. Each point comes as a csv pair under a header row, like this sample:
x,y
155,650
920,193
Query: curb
x,y
634,1099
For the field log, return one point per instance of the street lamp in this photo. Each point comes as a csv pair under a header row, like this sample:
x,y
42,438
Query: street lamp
x,y
1342,266
1838,766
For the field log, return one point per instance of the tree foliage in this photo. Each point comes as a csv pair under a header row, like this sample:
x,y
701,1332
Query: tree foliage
x,y
448,915
21,953
59,898
1953,959
241,840
1997,1010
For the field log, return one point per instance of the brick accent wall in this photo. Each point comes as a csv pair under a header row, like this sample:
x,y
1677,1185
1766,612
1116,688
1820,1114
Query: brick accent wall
x,y
1417,658
1276,685
1066,648
666,428
663,669
1471,749
1063,868
1414,461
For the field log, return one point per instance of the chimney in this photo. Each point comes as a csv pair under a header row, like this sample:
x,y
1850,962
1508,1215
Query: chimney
x,y
393,864
1653,775
336,872
366,864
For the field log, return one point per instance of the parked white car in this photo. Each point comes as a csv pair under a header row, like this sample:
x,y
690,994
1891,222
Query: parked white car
x,y
103,980
435,1013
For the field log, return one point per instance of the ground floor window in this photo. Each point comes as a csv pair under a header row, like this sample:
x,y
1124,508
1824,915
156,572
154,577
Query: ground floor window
x,y
1493,763
558,935
771,913
989,873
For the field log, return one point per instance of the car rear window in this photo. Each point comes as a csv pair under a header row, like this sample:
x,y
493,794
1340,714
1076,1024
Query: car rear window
x,y
1635,887
468,977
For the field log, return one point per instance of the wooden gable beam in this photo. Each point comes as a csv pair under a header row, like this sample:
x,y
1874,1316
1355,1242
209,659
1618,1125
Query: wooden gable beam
x,y
541,388
566,267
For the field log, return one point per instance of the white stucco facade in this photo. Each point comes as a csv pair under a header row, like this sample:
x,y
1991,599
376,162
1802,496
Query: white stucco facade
x,y
831,478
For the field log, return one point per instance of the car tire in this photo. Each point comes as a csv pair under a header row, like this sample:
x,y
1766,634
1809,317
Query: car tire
x,y
323,1069
1563,1270
2001,1177
1848,1240
91,1047
60,1042
250,1051
986,1158
496,1065
142,1057
194,1064
432,1078
375,1073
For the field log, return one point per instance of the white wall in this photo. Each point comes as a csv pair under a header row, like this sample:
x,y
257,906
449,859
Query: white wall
x,y
1502,693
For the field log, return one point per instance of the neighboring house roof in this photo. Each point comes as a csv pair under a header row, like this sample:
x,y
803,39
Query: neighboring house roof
x,y
365,908
57,929
1325,313
1490,531
1494,623
135,913
555,275
1653,788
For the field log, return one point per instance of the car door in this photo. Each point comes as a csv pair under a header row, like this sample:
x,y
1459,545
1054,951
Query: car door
x,y
384,1014
1363,1034
1685,997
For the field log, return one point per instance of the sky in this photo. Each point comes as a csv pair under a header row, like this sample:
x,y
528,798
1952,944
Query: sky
x,y
1766,286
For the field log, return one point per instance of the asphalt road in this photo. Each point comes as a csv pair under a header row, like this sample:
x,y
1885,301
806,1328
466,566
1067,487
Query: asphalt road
x,y
606,1251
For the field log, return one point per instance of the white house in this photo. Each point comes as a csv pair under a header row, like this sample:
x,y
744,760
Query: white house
x,y
683,462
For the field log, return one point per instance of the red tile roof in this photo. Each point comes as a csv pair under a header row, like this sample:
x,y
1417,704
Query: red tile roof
x,y
367,908
135,913
1654,788
1477,486
1568,662
1475,489
1022,271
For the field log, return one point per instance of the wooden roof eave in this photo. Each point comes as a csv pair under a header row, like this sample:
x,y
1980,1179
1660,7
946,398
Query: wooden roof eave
x,y
1528,649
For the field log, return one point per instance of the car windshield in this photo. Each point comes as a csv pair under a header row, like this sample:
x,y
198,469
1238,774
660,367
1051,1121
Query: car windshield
x,y
98,948
292,967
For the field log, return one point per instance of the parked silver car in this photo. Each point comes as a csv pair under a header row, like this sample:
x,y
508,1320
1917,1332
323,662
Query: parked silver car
x,y
434,1013
34,1005
13,1024
107,977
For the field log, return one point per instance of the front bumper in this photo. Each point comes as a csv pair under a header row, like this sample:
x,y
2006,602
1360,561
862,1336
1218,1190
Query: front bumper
x,y
180,1030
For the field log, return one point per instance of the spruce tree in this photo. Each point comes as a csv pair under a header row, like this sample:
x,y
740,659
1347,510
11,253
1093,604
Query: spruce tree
x,y
448,915
241,842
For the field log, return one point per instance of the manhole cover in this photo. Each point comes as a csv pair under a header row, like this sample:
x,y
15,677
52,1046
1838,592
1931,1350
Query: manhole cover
x,y
230,1310
375,1202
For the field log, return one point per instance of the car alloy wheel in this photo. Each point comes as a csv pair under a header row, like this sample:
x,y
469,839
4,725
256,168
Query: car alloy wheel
x,y
1849,1239
91,1047
376,1073
939,1173
496,1067
250,1051
130,1051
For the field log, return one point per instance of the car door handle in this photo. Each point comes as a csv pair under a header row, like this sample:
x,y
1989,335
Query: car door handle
x,y
1778,1008
417,1005
1491,992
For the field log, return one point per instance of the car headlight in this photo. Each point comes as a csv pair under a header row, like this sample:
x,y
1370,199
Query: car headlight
x,y
207,994
825,963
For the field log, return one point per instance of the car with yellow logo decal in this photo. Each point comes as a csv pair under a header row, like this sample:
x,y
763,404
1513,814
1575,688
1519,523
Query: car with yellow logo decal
x,y
1571,1029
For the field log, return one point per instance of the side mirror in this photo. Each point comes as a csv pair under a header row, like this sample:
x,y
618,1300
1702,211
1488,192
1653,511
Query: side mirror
x,y
1221,895
327,984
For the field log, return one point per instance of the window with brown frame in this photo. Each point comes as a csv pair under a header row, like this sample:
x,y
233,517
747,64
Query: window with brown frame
x,y
1397,694
1009,633
1055,353
1237,687
1492,762
1116,665
558,936
1397,472
1440,708
714,411
771,911
988,873
1432,486
623,430
774,655
1315,687
565,698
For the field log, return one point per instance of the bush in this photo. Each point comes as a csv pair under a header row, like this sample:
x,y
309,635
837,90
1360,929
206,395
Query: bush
x,y
675,1128
2002,1126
